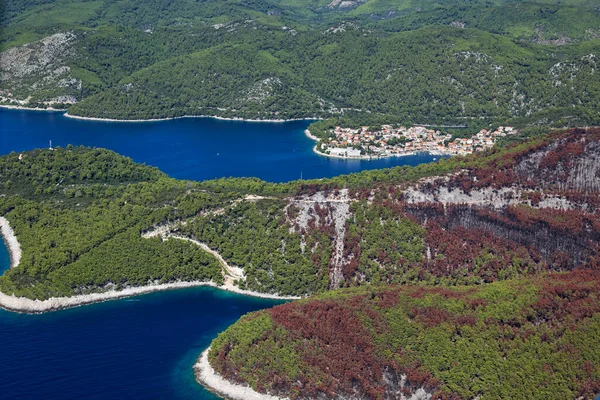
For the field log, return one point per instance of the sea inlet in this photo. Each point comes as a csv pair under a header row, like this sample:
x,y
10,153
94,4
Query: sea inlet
x,y
144,347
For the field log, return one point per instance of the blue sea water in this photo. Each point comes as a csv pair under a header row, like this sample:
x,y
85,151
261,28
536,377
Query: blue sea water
x,y
192,148
137,348
142,347
145,347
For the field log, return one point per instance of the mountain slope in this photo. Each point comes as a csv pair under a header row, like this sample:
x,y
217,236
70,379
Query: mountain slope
x,y
531,338
511,212
502,251
472,63
506,215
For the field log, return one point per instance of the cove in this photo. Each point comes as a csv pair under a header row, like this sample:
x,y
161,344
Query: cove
x,y
145,347
192,148
139,348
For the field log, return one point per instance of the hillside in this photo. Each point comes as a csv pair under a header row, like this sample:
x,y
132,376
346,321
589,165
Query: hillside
x,y
504,214
472,276
520,339
514,211
488,313
471,63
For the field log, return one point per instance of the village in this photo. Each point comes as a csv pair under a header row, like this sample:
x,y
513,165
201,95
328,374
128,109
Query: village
x,y
389,141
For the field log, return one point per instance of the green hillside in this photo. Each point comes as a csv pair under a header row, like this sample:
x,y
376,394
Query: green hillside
x,y
480,280
471,62
526,339
82,228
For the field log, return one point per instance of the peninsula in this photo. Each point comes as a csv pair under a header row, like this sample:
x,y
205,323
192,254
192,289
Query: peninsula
x,y
389,141
506,273
80,265
456,252
231,277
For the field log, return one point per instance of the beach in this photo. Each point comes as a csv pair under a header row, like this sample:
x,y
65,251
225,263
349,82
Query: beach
x,y
311,136
66,114
186,116
206,376
9,107
12,244
26,305
116,120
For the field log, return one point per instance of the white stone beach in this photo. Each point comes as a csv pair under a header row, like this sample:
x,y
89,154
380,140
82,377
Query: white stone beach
x,y
12,244
27,305
206,375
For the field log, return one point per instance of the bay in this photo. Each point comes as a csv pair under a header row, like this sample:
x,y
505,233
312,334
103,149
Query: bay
x,y
192,148
144,347
137,348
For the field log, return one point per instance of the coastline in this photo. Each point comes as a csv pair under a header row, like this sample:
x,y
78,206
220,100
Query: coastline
x,y
10,107
368,157
66,114
185,116
311,136
207,377
29,306
12,244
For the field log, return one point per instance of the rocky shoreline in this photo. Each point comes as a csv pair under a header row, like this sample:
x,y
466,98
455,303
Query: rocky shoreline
x,y
26,305
66,114
185,116
11,107
29,306
116,120
12,244
207,377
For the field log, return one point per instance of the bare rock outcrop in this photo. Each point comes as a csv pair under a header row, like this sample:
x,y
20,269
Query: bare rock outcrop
x,y
331,210
40,67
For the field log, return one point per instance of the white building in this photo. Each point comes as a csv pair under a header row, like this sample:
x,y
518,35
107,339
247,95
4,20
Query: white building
x,y
344,152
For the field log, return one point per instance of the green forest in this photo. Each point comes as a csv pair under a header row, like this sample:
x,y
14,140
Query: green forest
x,y
460,300
520,339
79,213
73,207
447,300
474,63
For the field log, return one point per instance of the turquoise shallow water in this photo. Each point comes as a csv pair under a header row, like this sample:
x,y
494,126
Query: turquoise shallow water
x,y
145,347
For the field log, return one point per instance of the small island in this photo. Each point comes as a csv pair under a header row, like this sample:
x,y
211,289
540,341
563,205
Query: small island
x,y
388,141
